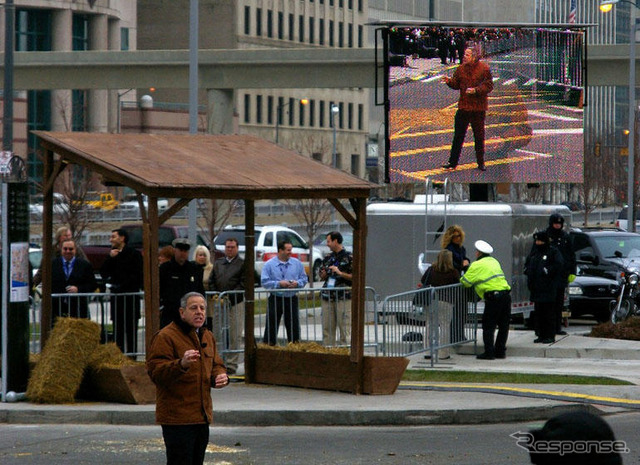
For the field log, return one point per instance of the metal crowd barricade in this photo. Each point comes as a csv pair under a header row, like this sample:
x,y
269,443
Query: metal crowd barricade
x,y
307,328
431,319
120,325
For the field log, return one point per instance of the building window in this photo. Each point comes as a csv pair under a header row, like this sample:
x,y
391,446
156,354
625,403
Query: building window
x,y
259,109
78,110
269,23
351,4
124,38
340,34
359,5
330,2
279,110
312,113
270,110
341,115
355,164
341,4
247,108
331,114
360,36
321,118
280,25
331,43
258,22
350,35
247,20
312,30
291,105
350,115
321,31
33,31
360,116
301,113
291,27
80,33
301,27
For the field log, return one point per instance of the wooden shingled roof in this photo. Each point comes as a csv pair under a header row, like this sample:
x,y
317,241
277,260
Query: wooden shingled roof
x,y
203,166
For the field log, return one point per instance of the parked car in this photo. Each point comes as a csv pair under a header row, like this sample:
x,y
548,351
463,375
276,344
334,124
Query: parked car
x,y
621,222
320,250
60,206
591,296
266,243
606,253
130,202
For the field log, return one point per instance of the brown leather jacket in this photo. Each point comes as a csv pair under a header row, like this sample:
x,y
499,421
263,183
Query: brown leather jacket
x,y
472,74
183,397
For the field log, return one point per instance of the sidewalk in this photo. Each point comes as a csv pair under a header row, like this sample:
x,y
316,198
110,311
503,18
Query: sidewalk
x,y
413,403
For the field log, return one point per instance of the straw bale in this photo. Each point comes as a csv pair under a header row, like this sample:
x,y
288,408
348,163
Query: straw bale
x,y
58,374
108,356
312,347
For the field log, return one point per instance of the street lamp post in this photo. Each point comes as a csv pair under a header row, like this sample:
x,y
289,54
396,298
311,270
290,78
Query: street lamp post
x,y
335,110
279,109
606,6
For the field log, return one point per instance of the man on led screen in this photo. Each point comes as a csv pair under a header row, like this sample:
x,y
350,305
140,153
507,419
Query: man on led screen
x,y
474,81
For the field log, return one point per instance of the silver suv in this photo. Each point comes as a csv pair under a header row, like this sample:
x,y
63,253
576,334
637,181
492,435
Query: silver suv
x,y
267,238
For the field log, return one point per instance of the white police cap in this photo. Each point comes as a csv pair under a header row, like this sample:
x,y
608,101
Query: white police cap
x,y
483,247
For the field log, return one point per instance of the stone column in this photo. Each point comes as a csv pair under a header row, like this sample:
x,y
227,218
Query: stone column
x,y
61,103
220,111
97,99
112,104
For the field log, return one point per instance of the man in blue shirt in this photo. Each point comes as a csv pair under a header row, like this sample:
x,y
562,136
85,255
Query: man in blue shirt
x,y
281,273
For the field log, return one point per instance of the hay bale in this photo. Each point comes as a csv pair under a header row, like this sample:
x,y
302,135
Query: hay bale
x,y
58,374
108,356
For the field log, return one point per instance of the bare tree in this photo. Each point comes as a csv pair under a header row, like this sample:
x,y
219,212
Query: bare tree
x,y
313,214
74,184
216,214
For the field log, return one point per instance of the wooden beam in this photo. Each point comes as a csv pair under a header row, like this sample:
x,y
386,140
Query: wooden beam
x,y
151,272
250,346
346,214
47,247
173,209
358,291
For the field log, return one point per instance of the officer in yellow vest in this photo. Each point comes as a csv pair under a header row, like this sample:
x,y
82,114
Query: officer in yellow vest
x,y
487,278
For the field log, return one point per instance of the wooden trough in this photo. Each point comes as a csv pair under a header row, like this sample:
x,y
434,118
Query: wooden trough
x,y
331,372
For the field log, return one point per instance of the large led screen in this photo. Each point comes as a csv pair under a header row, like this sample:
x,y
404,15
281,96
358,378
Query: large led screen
x,y
533,120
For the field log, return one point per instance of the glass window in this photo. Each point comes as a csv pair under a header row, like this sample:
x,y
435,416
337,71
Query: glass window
x,y
350,115
312,30
258,21
279,110
321,116
340,34
360,116
33,31
268,240
247,108
270,109
80,33
301,27
259,109
291,106
321,31
269,23
247,20
78,110
312,113
280,25
124,38
331,32
301,113
291,27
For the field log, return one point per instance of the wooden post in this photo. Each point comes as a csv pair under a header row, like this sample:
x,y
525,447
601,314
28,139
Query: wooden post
x,y
47,247
249,292
358,291
151,271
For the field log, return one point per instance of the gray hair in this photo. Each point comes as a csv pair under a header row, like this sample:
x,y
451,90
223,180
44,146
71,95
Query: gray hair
x,y
185,298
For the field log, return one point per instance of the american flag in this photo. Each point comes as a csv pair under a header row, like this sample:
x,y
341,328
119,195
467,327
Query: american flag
x,y
572,12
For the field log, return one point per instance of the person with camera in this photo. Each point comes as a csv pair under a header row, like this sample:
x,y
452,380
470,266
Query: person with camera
x,y
337,272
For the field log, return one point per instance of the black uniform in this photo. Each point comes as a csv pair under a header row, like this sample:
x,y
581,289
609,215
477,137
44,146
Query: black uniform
x,y
561,240
175,281
123,273
543,268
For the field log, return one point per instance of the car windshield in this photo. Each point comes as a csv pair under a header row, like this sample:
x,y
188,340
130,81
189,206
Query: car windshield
x,y
619,246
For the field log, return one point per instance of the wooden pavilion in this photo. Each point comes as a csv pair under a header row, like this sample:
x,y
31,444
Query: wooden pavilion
x,y
187,167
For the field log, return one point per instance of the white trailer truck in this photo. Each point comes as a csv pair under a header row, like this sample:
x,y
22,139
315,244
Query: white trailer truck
x,y
398,232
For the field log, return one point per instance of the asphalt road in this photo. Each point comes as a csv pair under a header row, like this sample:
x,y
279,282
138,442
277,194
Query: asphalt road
x,y
433,445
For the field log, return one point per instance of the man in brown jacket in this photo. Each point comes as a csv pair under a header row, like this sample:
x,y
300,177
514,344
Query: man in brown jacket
x,y
474,81
184,365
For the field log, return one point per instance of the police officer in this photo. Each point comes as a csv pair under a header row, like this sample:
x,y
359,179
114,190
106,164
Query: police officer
x,y
178,277
487,277
561,240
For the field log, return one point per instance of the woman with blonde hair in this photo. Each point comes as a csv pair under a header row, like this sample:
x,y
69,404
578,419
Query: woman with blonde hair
x,y
202,257
452,240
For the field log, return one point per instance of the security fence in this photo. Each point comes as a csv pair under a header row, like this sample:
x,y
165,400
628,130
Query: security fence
x,y
428,320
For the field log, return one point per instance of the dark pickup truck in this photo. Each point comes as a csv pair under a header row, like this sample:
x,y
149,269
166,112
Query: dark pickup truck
x,y
97,254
